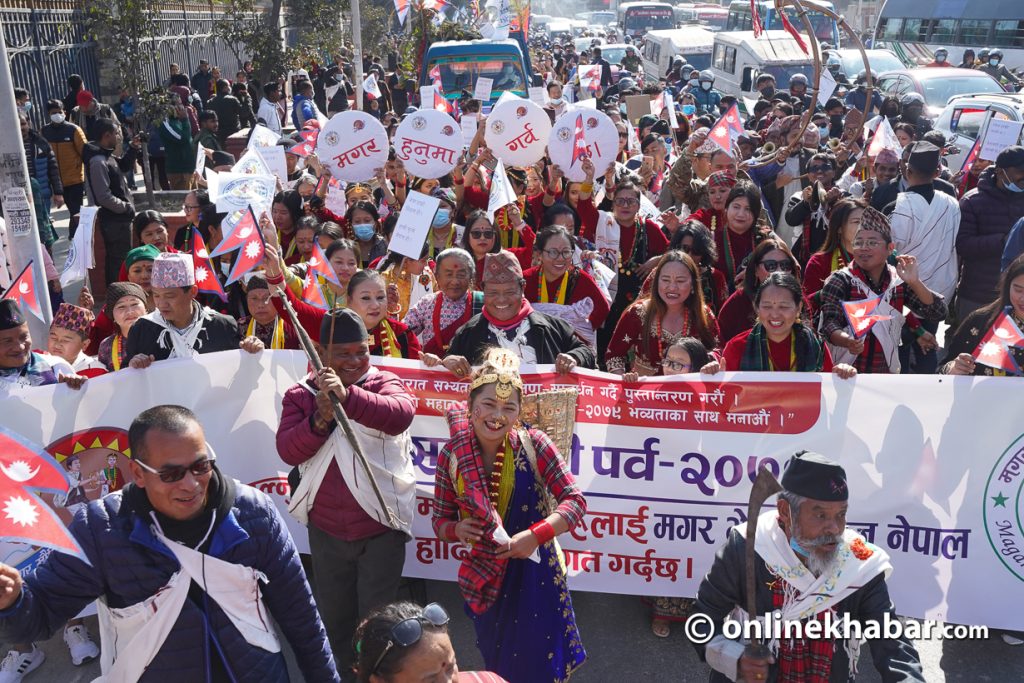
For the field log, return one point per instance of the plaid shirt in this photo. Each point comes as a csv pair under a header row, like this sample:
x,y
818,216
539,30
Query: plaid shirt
x,y
839,287
481,567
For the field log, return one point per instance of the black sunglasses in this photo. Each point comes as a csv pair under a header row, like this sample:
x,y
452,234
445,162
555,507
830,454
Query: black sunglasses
x,y
174,473
481,234
819,169
771,266
409,631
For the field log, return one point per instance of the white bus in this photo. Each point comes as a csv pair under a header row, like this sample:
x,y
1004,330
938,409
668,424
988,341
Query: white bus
x,y
694,43
914,29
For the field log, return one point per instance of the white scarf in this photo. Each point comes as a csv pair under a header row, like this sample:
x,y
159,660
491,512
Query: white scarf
x,y
132,636
518,345
577,315
181,343
390,460
805,594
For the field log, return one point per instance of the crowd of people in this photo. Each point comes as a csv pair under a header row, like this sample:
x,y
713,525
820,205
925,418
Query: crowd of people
x,y
685,255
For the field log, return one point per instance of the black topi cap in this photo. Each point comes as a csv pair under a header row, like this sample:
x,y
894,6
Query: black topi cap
x,y
816,477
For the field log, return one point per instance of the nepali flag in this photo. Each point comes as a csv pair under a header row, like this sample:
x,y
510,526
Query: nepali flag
x,y
590,77
24,291
308,144
239,233
440,103
24,469
311,292
791,30
728,129
994,348
758,23
206,276
402,10
249,256
968,160
579,144
862,316
318,264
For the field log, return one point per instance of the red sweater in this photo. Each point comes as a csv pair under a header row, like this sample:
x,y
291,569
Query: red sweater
x,y
657,243
780,352
585,288
380,402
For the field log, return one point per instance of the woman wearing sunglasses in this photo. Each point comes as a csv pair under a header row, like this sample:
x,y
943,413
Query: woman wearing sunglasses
x,y
493,478
779,341
480,238
674,309
738,313
807,212
405,643
560,288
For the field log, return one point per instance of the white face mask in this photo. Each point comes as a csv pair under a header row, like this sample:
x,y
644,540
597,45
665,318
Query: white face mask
x,y
57,118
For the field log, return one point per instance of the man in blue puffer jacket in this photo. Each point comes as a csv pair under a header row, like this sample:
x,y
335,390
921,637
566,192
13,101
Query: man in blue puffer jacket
x,y
179,519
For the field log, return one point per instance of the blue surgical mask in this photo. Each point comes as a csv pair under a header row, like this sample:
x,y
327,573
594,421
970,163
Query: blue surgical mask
x,y
823,132
441,218
27,107
622,109
692,82
1012,187
994,62
689,110
363,231
705,86
797,548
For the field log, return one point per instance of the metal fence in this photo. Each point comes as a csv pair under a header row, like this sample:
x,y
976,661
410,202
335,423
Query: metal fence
x,y
47,42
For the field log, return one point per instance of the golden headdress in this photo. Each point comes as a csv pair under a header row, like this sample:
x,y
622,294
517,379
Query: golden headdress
x,y
501,366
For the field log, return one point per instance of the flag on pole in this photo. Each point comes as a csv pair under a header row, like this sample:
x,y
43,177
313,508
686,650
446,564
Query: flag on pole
x,y
966,167
319,265
590,77
206,275
727,129
249,256
670,105
579,144
861,315
440,103
501,194
758,24
309,138
311,292
791,30
239,232
23,290
994,348
24,469
370,86
884,138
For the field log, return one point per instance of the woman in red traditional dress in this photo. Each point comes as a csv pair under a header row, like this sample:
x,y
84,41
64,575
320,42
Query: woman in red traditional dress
x,y
481,238
837,250
674,309
438,316
561,289
736,238
738,313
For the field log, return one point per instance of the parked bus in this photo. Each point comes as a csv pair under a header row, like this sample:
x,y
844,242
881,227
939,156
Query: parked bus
x,y
914,29
711,18
694,43
740,19
637,18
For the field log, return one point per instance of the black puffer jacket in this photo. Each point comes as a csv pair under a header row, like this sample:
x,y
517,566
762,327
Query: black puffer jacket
x,y
987,213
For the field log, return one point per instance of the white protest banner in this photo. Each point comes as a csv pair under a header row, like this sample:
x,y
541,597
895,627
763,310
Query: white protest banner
x,y
251,163
335,201
585,104
1000,135
237,191
262,137
273,159
602,140
353,145
826,87
501,193
427,96
517,131
429,143
212,184
200,159
80,251
538,96
482,88
410,233
670,106
934,473
469,123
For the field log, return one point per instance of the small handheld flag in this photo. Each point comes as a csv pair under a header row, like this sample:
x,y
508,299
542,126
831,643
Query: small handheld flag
x,y
206,276
249,256
727,129
311,292
318,264
861,315
579,145
238,234
994,348
23,290
308,144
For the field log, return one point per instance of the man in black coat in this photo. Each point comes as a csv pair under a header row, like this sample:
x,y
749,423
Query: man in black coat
x,y
509,321
181,327
831,573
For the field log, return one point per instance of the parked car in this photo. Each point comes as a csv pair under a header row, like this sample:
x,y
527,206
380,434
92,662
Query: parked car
x,y
850,62
937,85
965,117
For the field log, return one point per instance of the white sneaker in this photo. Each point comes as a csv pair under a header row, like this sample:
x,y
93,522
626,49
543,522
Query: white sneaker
x,y
16,665
80,645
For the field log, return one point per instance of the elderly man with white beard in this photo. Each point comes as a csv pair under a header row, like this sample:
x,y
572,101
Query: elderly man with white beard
x,y
808,564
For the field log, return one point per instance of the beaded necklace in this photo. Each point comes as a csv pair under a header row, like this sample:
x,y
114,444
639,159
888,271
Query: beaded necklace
x,y
499,488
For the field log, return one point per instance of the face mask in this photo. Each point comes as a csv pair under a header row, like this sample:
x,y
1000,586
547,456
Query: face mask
x,y
27,107
622,109
993,62
1012,187
823,133
767,92
441,218
797,548
363,231
558,101
940,58
693,82
57,118
705,86
689,110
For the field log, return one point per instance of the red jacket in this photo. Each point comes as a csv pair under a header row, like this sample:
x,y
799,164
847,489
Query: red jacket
x,y
380,402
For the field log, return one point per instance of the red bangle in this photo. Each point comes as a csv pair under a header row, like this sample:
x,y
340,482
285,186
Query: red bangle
x,y
460,181
275,280
543,531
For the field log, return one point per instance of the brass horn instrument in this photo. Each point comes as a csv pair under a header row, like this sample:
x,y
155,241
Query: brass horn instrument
x,y
834,144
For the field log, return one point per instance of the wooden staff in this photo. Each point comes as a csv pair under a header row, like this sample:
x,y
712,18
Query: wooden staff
x,y
339,413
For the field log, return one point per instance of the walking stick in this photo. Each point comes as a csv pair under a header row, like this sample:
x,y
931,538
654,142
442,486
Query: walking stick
x,y
339,413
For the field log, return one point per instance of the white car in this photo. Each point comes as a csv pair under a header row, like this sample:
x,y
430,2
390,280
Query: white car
x,y
581,44
965,116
